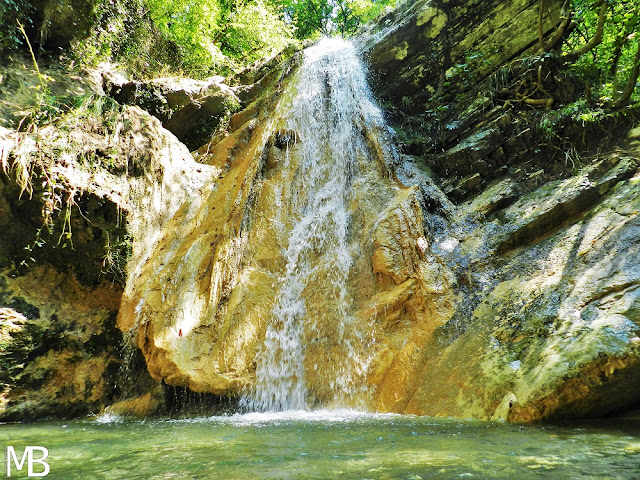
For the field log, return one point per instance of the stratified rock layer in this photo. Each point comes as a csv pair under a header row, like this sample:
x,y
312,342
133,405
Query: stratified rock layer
x,y
544,321
519,304
553,286
503,288
417,47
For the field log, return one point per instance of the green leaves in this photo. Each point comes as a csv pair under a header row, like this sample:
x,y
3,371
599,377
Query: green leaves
x,y
609,66
194,37
215,35
256,31
192,25
12,11
226,34
315,18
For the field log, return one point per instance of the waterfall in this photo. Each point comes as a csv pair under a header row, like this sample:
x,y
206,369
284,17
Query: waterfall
x,y
273,282
330,110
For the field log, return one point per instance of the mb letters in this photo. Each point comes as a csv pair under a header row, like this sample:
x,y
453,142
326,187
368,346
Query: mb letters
x,y
29,457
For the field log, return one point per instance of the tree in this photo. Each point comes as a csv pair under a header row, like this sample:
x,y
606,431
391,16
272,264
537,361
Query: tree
x,y
624,99
314,18
311,18
598,38
255,31
221,33
192,25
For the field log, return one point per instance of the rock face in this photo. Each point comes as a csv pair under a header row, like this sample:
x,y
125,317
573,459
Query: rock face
x,y
485,279
73,198
190,109
552,326
188,329
543,320
415,49
59,352
519,303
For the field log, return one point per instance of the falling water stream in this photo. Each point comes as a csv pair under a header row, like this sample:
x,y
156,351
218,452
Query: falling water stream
x,y
331,106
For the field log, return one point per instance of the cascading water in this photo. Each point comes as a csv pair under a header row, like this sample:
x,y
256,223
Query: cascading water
x,y
281,281
331,108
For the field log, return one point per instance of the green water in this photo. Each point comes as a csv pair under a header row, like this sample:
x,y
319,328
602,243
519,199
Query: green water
x,y
327,445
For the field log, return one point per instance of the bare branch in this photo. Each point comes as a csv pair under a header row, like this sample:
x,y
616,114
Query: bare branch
x,y
558,35
623,101
595,41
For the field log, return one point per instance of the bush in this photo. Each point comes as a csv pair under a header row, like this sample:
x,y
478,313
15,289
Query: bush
x,y
12,12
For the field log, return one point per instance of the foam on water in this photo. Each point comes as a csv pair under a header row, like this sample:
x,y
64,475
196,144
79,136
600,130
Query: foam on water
x,y
107,418
322,415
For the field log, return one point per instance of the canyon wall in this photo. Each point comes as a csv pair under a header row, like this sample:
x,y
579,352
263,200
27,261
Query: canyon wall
x,y
487,275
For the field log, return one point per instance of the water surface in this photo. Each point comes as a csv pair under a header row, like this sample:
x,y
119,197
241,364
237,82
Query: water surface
x,y
328,445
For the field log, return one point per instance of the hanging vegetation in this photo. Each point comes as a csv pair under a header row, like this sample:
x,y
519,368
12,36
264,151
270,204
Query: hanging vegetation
x,y
151,37
599,39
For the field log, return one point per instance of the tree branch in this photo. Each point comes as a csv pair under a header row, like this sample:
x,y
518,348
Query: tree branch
x,y
595,41
540,30
623,101
558,35
620,43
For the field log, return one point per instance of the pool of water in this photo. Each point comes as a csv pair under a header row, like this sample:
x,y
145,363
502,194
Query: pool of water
x,y
326,445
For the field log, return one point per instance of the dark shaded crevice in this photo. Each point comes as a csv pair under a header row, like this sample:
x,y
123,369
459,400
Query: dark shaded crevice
x,y
181,401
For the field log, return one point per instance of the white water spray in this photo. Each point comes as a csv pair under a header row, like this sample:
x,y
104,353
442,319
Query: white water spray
x,y
332,106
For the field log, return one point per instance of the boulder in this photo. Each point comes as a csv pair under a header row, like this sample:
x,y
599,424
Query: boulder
x,y
192,110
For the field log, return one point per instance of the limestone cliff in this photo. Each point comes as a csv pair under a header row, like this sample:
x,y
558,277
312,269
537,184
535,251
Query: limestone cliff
x,y
462,322
543,247
485,275
73,195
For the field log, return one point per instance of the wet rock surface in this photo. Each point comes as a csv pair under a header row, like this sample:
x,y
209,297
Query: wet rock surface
x,y
498,280
59,349
543,323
